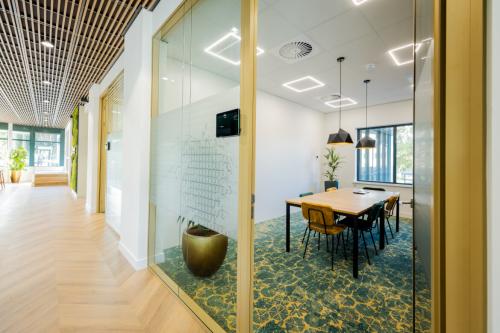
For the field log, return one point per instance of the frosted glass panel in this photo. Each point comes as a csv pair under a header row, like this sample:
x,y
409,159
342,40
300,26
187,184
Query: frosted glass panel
x,y
194,173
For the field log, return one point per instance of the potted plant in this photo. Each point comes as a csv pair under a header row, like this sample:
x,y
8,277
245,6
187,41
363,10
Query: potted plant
x,y
334,161
203,249
18,158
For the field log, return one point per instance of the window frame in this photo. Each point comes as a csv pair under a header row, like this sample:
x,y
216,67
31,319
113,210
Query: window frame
x,y
394,149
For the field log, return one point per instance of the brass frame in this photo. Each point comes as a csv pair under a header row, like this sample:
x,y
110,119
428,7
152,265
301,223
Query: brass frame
x,y
464,135
101,152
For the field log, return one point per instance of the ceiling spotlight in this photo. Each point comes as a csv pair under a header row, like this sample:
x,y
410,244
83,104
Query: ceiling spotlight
x,y
399,53
370,67
305,83
46,82
46,101
359,2
47,44
45,112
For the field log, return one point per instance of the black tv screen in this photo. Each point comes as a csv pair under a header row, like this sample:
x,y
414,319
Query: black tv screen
x,y
228,123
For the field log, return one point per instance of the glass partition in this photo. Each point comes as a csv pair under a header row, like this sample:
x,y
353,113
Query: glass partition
x,y
194,158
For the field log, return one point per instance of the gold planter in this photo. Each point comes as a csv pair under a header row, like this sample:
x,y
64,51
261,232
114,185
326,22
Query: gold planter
x,y
15,176
204,250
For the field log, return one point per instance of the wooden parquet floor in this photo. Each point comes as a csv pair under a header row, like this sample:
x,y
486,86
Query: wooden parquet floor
x,y
61,271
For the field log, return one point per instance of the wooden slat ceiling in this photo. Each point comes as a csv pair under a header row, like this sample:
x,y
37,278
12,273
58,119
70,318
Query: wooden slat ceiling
x,y
87,36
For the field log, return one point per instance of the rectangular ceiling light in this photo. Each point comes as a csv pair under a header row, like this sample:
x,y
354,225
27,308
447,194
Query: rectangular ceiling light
x,y
346,101
359,2
305,83
227,48
403,55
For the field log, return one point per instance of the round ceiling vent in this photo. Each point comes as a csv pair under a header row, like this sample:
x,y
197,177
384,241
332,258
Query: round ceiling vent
x,y
329,98
295,50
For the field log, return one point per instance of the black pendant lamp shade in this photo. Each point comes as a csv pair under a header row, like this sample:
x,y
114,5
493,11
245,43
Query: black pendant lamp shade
x,y
366,142
341,137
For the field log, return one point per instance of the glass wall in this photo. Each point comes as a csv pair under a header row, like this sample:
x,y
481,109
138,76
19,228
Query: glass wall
x,y
195,157
47,149
4,141
112,104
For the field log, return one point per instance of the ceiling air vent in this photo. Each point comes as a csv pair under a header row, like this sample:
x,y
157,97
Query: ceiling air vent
x,y
295,50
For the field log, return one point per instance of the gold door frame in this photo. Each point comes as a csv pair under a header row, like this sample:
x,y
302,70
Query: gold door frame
x,y
101,151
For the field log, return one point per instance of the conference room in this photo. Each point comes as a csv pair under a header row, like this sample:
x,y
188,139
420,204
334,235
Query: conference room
x,y
334,145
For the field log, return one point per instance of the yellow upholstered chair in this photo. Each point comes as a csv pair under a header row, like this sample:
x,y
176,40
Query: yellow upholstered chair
x,y
389,211
321,219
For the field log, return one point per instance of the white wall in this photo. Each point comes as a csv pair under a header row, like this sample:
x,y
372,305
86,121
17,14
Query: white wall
x,y
379,115
493,163
288,153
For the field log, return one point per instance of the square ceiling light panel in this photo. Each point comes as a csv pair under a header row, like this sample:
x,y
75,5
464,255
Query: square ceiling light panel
x,y
403,55
346,101
227,48
302,84
359,2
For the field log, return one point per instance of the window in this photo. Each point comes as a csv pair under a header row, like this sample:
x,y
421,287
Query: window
x,y
4,149
47,149
391,161
21,138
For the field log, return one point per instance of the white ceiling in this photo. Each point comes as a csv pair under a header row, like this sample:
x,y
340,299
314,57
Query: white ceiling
x,y
362,34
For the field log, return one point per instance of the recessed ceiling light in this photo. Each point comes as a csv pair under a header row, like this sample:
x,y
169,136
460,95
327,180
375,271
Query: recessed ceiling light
x,y
167,79
346,101
46,101
46,82
45,112
302,84
403,55
48,44
227,48
359,2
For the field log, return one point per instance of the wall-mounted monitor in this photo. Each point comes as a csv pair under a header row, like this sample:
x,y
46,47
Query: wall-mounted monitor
x,y
228,123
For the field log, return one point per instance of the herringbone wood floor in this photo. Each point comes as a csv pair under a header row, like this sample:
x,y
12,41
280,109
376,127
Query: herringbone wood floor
x,y
61,271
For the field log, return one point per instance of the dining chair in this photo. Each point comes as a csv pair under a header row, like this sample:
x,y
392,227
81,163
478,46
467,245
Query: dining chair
x,y
389,212
321,219
374,188
366,224
305,194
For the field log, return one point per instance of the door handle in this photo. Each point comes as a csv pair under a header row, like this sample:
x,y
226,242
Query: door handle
x,y
108,145
411,203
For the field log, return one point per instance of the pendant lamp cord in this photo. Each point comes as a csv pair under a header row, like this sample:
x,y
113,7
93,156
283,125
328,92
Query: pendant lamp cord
x,y
366,104
340,105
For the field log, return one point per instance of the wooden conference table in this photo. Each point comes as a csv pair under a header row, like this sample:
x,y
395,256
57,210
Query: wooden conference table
x,y
351,205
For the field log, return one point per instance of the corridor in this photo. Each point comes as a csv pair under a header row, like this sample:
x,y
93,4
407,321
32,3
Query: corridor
x,y
61,271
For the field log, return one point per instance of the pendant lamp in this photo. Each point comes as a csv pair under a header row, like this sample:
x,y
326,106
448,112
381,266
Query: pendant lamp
x,y
341,137
366,142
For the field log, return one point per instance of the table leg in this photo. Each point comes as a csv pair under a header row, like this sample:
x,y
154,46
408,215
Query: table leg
x,y
355,252
287,227
382,230
397,215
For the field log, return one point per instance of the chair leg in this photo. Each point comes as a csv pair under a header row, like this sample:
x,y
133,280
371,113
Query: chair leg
x,y
390,228
343,245
373,241
333,242
319,239
327,246
307,242
337,248
304,237
366,249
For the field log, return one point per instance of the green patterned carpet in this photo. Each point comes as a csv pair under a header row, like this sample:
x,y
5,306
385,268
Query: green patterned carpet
x,y
304,295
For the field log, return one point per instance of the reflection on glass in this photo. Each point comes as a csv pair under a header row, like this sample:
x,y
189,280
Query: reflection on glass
x,y
194,174
404,154
424,162
376,165
4,154
47,149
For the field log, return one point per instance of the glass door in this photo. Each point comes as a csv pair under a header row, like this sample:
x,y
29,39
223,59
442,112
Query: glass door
x,y
425,136
112,144
195,151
